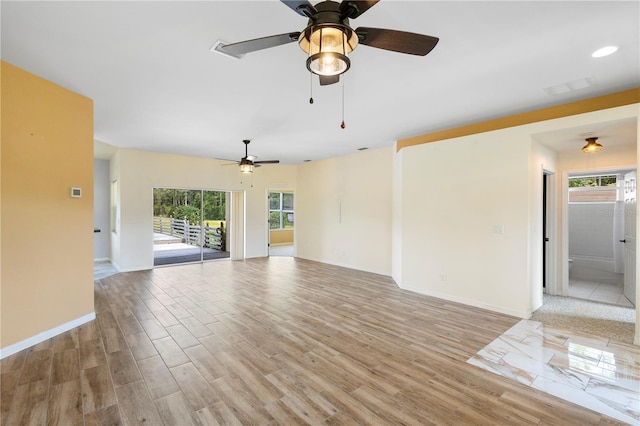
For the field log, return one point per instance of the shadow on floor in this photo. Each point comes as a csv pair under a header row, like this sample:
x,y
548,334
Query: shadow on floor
x,y
186,255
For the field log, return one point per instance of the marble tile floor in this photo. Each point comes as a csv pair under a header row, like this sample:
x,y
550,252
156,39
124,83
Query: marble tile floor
x,y
598,292
595,373
103,269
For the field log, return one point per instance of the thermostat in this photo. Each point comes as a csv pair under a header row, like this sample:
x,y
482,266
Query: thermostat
x,y
76,192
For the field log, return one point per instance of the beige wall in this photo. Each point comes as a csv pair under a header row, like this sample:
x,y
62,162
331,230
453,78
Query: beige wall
x,y
47,236
280,236
343,210
138,172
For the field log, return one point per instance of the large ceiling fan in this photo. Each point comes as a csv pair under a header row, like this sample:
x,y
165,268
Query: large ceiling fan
x,y
328,38
248,162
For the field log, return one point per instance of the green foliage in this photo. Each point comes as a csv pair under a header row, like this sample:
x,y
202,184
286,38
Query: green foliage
x,y
171,202
592,181
274,201
274,220
191,213
581,182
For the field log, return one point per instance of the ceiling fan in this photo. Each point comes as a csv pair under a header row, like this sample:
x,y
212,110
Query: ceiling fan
x,y
248,162
328,38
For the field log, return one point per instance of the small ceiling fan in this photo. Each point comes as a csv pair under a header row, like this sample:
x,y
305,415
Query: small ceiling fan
x,y
248,162
328,38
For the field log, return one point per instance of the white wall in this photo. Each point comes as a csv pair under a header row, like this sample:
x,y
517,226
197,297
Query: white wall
x,y
138,172
592,241
464,208
343,211
591,230
101,209
450,195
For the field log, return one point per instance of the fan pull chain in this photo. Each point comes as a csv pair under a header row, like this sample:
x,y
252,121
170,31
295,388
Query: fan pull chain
x,y
311,87
342,125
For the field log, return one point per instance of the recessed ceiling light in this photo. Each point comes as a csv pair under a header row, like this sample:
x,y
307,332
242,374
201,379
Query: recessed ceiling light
x,y
604,51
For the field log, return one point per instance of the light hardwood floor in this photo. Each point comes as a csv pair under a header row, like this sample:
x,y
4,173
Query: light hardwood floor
x,y
271,341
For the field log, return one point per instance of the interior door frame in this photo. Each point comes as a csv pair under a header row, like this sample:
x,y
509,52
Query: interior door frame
x,y
268,190
549,233
563,270
630,281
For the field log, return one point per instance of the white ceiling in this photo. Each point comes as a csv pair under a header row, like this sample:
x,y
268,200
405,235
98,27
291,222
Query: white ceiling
x,y
156,86
609,134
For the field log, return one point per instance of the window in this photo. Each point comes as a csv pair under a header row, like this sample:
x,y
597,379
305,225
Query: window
x,y
592,181
593,189
280,210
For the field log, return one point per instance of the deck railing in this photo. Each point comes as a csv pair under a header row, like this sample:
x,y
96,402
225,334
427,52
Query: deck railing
x,y
206,236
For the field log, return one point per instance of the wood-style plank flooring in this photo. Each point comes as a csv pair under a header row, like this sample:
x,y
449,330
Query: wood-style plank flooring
x,y
271,341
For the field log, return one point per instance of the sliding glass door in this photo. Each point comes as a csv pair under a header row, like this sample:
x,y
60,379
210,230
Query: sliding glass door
x,y
189,226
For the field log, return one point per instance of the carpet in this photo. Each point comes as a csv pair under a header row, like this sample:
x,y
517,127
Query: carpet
x,y
599,319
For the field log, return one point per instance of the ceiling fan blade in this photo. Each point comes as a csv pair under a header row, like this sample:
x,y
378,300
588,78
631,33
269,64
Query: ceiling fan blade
x,y
267,162
326,80
301,7
247,46
353,9
397,41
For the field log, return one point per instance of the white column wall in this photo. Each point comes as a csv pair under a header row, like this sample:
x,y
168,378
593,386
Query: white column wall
x,y
465,220
541,159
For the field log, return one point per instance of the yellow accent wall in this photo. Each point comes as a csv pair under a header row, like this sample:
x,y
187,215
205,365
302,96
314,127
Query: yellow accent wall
x,y
612,100
46,272
280,236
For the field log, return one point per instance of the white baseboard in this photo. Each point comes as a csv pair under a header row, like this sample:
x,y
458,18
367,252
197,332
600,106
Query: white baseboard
x,y
100,259
41,337
471,302
347,265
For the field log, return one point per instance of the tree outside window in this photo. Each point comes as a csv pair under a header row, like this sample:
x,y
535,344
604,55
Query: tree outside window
x,y
281,210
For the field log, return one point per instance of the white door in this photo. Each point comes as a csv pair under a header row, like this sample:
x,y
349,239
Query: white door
x,y
630,236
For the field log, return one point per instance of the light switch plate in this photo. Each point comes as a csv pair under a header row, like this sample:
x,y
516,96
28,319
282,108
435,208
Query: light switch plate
x,y
75,192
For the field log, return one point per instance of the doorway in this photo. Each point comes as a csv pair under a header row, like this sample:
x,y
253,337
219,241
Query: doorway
x,y
597,223
281,223
189,226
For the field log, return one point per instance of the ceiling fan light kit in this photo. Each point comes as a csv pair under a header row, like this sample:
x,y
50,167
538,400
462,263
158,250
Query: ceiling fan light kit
x,y
246,166
248,162
591,146
327,47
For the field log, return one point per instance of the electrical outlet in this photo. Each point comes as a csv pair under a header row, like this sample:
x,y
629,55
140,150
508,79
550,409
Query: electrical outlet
x,y
443,277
